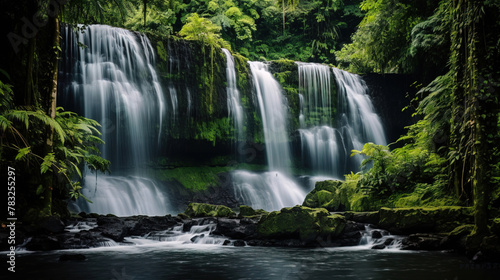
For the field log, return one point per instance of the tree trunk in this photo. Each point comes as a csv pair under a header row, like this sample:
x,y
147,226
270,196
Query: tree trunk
x,y
283,5
479,126
49,176
144,9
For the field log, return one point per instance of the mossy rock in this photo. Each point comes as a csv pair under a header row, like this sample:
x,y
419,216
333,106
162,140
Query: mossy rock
x,y
461,231
363,217
495,226
331,195
362,202
490,247
195,210
302,223
457,238
424,219
247,211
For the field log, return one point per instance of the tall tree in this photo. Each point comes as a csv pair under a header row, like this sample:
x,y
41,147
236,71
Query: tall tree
x,y
476,107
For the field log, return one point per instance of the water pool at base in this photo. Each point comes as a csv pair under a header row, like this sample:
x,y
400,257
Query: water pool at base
x,y
153,260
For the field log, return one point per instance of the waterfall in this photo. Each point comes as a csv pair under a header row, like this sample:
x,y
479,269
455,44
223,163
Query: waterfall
x,y
269,190
273,111
356,108
326,149
315,87
275,189
113,80
233,96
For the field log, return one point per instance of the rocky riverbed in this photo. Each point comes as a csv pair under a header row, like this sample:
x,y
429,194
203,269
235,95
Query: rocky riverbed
x,y
299,226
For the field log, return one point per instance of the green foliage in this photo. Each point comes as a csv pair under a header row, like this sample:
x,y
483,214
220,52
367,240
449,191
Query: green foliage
x,y
382,41
202,29
162,53
25,140
48,161
400,171
308,30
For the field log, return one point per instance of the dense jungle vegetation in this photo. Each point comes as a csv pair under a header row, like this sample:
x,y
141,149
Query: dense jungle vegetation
x,y
450,155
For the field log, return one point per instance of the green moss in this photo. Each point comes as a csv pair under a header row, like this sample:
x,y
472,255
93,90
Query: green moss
x,y
208,210
461,231
425,219
339,196
247,211
301,222
362,202
199,177
495,226
195,178
215,129
162,53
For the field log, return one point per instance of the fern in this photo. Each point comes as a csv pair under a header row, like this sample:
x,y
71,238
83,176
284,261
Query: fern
x,y
48,161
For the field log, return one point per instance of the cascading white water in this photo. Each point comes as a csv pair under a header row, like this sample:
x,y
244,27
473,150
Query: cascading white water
x,y
322,147
113,80
275,189
270,191
273,111
302,118
355,105
174,101
315,87
233,96
327,149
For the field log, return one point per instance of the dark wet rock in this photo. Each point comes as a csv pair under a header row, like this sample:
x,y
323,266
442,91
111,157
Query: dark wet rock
x,y
72,257
43,243
226,242
376,234
351,236
51,224
495,226
81,240
276,243
144,224
234,228
457,238
196,238
354,226
188,224
112,227
422,241
388,241
239,243
478,257
378,247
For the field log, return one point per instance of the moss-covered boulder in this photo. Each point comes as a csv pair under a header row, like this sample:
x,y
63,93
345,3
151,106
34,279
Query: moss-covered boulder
x,y
457,238
334,196
424,219
195,210
363,217
247,211
302,223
